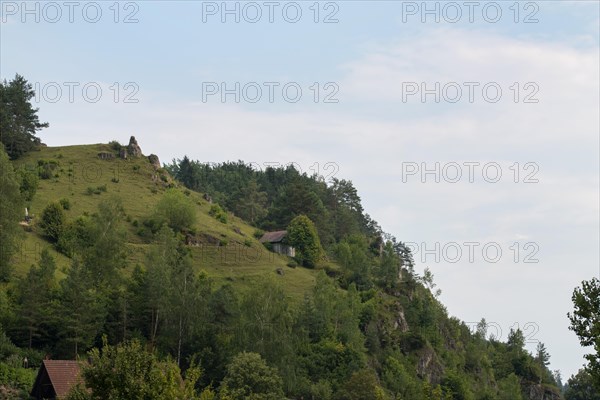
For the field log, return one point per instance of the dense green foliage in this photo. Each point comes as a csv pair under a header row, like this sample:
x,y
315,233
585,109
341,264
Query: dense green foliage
x,y
585,322
53,221
129,372
11,212
581,387
18,119
303,236
250,378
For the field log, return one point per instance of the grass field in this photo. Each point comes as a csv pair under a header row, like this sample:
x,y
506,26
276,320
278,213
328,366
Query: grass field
x,y
84,179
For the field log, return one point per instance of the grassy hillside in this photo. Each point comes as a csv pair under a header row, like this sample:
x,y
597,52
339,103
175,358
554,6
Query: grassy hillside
x,y
226,251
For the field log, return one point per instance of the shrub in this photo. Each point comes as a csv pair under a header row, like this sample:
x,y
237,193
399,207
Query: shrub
x,y
136,167
258,233
292,264
97,190
29,183
115,145
65,204
218,213
247,242
75,235
249,377
115,180
53,221
46,168
176,210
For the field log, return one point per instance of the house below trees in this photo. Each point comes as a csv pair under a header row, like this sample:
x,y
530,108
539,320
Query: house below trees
x,y
55,379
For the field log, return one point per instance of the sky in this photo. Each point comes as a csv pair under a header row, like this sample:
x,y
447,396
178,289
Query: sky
x,y
470,129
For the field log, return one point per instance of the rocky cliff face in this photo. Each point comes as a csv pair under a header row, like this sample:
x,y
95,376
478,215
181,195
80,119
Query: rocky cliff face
x,y
542,392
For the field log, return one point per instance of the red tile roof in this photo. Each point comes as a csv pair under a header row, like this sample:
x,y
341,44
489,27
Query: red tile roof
x,y
63,375
273,237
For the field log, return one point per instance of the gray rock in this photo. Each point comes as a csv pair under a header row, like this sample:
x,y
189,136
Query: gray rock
x,y
123,153
153,158
105,155
133,148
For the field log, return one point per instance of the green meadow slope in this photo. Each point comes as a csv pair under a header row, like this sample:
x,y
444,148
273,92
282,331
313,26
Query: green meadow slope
x,y
225,251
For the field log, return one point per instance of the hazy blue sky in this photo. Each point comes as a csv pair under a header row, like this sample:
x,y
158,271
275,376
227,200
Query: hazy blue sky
x,y
362,68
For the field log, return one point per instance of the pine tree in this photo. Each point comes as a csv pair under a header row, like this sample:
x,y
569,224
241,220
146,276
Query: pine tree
x,y
11,212
35,297
82,309
19,121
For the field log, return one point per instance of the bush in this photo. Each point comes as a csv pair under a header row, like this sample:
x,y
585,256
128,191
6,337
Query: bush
x,y
258,233
136,167
177,210
65,204
53,221
75,235
115,145
247,242
249,377
292,264
46,168
218,213
97,190
115,180
29,183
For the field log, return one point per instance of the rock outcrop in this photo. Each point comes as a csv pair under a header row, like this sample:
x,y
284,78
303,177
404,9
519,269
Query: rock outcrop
x,y
134,149
105,155
123,153
153,158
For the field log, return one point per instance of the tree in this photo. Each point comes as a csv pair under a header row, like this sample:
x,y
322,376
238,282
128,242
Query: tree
x,y
107,253
303,236
81,310
11,212
19,121
177,210
509,388
35,296
362,385
265,324
389,267
172,290
29,182
585,322
581,387
251,204
129,372
542,358
53,221
250,378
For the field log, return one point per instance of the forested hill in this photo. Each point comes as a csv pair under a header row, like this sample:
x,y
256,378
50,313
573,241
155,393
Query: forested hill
x,y
162,266
169,258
